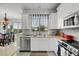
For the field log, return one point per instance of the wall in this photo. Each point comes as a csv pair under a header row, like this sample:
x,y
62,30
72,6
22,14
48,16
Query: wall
x,y
13,11
26,32
52,32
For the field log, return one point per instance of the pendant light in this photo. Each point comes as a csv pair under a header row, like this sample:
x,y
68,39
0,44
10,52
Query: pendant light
x,y
5,21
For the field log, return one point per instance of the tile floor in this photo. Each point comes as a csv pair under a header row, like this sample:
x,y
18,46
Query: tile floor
x,y
23,54
39,53
50,53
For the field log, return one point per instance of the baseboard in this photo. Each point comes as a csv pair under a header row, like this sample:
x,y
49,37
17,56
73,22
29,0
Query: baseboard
x,y
38,51
24,51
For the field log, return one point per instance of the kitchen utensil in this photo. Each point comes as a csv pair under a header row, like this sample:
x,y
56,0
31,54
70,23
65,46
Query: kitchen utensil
x,y
68,37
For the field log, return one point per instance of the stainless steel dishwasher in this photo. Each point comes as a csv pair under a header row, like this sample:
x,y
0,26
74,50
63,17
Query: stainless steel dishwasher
x,y
25,44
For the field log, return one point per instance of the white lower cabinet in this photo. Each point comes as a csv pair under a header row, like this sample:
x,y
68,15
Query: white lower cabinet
x,y
53,45
39,44
44,44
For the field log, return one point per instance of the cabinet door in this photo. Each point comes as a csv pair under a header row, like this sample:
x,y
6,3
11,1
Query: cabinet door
x,y
43,44
53,45
34,44
39,44
26,21
53,21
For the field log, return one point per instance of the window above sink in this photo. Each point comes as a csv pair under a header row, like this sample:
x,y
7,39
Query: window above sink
x,y
40,24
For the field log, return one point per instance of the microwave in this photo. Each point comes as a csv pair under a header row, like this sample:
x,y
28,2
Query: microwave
x,y
71,20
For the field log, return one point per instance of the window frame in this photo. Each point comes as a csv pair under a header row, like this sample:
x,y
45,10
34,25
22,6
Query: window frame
x,y
40,18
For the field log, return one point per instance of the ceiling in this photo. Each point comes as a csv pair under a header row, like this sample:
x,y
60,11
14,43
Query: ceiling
x,y
33,5
15,9
40,5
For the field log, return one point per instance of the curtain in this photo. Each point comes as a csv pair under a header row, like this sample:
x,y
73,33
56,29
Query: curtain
x,y
40,20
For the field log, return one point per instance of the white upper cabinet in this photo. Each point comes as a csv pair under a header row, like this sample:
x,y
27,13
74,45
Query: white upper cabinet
x,y
26,21
64,10
53,22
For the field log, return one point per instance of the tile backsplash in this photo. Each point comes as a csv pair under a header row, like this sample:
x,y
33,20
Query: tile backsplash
x,y
73,31
52,32
26,31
